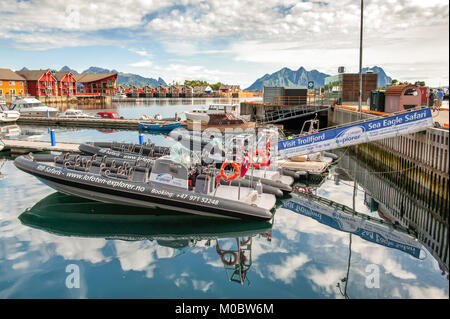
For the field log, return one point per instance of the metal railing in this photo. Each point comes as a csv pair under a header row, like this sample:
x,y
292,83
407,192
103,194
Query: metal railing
x,y
364,120
291,113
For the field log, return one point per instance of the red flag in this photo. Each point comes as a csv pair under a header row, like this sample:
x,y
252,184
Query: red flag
x,y
269,157
245,164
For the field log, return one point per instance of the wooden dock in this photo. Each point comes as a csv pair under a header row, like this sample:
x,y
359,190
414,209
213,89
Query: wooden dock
x,y
23,147
82,122
79,122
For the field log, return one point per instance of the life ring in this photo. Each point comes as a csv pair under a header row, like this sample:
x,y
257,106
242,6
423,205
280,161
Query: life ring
x,y
264,159
233,260
236,170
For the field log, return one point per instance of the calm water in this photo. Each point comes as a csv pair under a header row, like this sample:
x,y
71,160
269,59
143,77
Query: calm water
x,y
308,249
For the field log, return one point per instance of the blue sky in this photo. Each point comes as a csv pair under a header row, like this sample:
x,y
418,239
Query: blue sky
x,y
234,42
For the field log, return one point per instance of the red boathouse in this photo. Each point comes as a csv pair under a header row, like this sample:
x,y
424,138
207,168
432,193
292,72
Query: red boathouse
x,y
40,82
97,83
66,83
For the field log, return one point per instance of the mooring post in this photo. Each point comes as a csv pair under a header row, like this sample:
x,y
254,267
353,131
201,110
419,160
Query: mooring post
x,y
141,139
52,137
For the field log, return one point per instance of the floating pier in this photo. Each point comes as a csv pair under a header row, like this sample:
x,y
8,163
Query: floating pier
x,y
23,147
82,122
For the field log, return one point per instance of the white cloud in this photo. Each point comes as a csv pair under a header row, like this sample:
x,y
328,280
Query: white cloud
x,y
421,292
399,35
202,285
287,271
142,52
142,64
327,279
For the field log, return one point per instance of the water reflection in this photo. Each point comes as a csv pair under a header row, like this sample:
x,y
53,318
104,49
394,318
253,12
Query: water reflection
x,y
394,203
9,130
304,258
2,163
76,217
343,218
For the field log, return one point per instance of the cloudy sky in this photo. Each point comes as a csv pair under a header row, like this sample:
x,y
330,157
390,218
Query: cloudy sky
x,y
234,41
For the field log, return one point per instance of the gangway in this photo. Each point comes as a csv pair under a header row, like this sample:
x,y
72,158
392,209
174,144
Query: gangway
x,y
358,132
292,113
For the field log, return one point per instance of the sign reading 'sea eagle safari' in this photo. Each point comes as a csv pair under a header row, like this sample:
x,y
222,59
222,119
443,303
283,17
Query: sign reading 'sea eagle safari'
x,y
386,127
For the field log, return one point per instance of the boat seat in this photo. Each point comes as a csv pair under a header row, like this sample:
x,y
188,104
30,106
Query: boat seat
x,y
251,198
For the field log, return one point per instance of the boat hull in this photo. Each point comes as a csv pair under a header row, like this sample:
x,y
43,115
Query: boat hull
x,y
158,127
39,113
9,116
147,195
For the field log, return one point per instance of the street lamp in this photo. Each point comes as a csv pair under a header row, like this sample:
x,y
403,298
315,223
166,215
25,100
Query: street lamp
x,y
360,58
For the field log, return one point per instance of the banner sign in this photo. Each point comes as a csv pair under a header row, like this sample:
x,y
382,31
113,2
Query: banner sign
x,y
368,230
364,132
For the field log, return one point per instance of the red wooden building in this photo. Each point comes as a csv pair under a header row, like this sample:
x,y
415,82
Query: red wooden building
x,y
97,83
40,82
66,83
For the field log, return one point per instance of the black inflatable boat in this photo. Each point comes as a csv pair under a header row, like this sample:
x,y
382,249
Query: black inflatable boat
x,y
149,152
165,184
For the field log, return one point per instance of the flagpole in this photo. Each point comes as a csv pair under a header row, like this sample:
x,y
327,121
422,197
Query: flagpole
x,y
239,189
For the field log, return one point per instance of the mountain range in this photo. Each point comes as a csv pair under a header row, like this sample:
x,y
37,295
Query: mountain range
x,y
287,77
383,79
128,78
284,77
290,78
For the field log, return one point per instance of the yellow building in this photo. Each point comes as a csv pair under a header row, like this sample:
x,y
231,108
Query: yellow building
x,y
11,83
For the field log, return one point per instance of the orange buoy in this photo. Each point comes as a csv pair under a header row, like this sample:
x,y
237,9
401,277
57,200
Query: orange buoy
x,y
236,170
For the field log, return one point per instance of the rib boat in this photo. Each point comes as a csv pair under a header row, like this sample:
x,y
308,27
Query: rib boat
x,y
273,181
169,183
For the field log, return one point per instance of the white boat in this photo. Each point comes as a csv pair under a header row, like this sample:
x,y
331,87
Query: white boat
x,y
33,107
203,114
6,115
121,96
145,117
71,113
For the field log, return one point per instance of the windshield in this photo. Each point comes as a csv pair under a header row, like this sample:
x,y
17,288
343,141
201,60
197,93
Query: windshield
x,y
182,155
3,107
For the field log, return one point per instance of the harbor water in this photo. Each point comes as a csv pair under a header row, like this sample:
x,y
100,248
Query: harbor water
x,y
330,239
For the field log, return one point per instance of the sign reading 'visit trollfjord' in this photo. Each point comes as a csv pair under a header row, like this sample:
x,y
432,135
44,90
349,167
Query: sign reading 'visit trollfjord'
x,y
369,131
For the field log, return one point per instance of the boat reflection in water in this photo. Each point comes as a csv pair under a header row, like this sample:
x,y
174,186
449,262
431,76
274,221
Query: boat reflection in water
x,y
73,216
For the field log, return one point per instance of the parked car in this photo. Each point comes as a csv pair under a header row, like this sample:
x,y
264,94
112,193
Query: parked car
x,y
109,115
